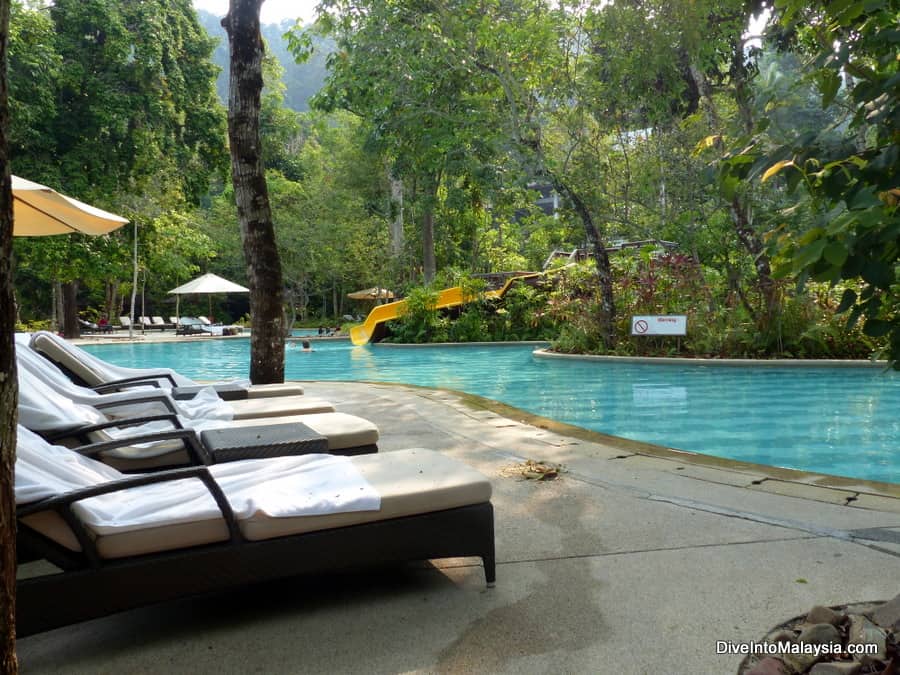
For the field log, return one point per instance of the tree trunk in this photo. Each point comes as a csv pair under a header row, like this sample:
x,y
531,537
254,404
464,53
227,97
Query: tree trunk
x,y
428,262
429,265
113,301
397,211
8,382
601,259
70,327
55,305
743,225
267,322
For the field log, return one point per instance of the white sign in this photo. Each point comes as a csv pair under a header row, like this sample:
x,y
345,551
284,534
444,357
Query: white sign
x,y
673,324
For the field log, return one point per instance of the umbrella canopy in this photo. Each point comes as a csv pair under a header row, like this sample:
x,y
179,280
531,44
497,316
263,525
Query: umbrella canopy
x,y
39,211
209,283
371,294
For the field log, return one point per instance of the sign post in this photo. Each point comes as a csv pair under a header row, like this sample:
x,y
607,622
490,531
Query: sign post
x,y
672,324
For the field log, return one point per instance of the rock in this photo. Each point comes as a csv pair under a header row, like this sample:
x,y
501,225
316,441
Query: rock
x,y
820,614
861,632
769,666
836,668
888,615
782,636
816,634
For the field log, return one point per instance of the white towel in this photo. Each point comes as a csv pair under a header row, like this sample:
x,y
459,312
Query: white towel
x,y
280,487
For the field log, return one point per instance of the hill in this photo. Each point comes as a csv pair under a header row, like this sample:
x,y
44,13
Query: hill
x,y
301,80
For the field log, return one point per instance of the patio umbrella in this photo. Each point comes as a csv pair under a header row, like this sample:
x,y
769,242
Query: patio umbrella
x,y
206,284
374,293
39,211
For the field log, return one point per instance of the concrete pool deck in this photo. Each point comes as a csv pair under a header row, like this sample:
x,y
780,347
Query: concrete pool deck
x,y
628,563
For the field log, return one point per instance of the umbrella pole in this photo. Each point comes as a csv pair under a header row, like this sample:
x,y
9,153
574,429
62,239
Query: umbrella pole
x,y
133,284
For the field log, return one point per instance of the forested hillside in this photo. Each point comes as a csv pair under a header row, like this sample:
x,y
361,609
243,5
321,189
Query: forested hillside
x,y
300,80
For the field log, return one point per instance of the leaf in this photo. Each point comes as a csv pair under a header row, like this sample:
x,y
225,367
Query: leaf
x,y
829,85
848,299
877,328
807,255
835,253
862,199
776,168
878,273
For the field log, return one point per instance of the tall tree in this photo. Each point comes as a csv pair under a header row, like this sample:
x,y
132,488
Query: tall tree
x,y
251,193
852,186
403,68
8,381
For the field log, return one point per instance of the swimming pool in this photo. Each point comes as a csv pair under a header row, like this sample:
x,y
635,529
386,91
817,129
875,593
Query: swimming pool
x,y
841,421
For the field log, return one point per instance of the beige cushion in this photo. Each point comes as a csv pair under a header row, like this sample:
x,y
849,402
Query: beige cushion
x,y
410,482
278,406
269,390
94,378
342,431
43,343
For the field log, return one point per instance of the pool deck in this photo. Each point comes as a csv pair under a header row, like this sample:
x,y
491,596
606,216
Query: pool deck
x,y
630,562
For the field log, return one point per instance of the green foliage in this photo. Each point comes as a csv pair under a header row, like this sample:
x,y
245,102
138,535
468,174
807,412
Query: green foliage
x,y
846,184
421,322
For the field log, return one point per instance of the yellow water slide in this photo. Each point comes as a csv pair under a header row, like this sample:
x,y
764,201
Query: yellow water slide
x,y
449,297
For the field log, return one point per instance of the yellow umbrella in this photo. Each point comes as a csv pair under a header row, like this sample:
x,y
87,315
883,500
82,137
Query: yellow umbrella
x,y
374,293
39,211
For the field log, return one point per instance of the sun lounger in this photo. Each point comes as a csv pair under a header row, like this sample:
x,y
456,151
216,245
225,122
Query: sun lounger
x,y
158,322
44,410
88,370
125,321
123,542
134,401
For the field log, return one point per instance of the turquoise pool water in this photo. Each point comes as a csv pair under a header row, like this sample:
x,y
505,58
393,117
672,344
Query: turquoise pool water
x,y
829,420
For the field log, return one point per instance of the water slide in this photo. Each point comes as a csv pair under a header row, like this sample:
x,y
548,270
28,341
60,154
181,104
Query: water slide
x,y
449,297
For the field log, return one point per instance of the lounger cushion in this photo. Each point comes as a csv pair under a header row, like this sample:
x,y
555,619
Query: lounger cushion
x,y
91,369
279,407
342,430
409,482
270,390
58,354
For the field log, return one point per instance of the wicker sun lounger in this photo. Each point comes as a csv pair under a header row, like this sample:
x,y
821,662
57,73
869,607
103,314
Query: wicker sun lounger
x,y
32,365
90,371
431,506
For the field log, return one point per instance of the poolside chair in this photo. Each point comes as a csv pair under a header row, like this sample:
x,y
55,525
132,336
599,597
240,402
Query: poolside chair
x,y
174,321
44,410
86,369
124,542
204,404
125,321
158,322
145,322
88,326
189,325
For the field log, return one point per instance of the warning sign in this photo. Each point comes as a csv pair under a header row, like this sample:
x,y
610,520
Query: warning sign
x,y
672,324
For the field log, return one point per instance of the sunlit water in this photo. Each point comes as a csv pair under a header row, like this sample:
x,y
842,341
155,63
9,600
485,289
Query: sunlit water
x,y
829,420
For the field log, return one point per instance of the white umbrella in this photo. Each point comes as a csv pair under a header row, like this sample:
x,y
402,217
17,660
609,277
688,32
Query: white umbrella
x,y
39,211
207,284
